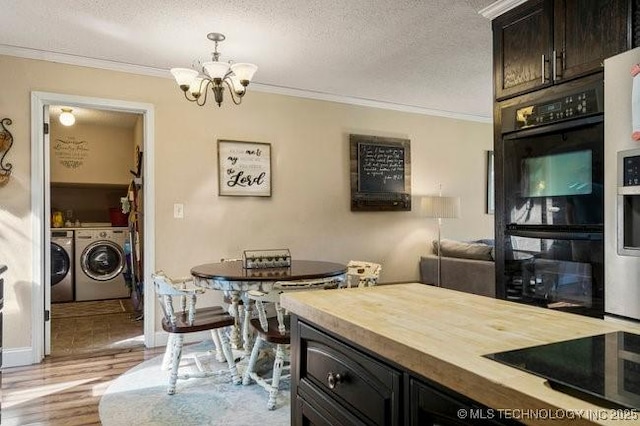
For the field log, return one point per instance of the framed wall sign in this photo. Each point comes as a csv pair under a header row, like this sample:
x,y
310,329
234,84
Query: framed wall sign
x,y
244,168
380,173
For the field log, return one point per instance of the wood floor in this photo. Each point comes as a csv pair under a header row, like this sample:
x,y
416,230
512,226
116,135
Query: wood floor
x,y
92,344
64,390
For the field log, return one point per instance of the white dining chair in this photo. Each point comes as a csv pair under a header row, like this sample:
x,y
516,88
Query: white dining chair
x,y
362,274
276,331
180,316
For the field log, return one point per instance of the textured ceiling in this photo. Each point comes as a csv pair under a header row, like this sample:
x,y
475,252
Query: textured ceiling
x,y
422,54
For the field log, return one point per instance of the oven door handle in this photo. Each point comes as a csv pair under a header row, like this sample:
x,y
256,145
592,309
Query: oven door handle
x,y
554,235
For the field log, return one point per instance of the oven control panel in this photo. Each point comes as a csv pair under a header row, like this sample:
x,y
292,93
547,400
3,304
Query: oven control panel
x,y
554,108
571,106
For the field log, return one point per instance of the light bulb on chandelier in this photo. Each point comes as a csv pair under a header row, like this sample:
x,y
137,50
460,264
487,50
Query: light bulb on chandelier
x,y
195,82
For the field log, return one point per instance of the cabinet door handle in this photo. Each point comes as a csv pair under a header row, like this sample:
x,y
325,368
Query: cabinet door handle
x,y
558,57
542,67
333,379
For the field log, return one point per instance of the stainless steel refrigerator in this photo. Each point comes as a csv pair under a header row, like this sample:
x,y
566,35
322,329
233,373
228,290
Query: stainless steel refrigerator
x,y
622,188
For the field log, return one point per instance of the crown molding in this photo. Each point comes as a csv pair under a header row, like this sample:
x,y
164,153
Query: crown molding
x,y
82,61
498,8
369,103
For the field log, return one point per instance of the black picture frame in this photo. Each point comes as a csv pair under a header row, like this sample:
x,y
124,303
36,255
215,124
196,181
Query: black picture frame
x,y
380,173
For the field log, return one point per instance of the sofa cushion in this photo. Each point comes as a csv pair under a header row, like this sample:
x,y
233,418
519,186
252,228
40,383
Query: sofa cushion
x,y
487,241
451,248
468,275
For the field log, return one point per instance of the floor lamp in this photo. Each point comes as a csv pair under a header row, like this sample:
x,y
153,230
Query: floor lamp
x,y
439,207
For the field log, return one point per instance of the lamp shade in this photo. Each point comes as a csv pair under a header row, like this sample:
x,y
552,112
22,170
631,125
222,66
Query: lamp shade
x,y
440,207
195,87
244,71
216,69
184,76
236,85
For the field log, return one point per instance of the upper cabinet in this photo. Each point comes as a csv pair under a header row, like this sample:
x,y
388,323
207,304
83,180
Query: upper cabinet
x,y
587,32
546,42
522,46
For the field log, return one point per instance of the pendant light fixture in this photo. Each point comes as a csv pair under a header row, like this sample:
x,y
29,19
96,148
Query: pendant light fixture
x,y
195,82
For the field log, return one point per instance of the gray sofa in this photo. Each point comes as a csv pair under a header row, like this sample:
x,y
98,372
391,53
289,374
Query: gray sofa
x,y
476,274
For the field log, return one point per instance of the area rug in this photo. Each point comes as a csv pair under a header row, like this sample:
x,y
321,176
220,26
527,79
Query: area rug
x,y
139,397
82,309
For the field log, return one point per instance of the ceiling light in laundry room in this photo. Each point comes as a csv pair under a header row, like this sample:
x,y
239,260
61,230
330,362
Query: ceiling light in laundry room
x,y
66,117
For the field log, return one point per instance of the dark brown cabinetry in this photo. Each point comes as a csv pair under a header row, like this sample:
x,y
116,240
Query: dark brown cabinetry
x,y
432,405
522,46
545,50
334,383
546,42
587,32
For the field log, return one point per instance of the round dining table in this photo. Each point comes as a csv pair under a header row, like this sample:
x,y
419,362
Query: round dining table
x,y
235,280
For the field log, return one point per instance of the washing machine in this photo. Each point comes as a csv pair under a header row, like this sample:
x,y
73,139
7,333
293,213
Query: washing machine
x,y
62,265
100,261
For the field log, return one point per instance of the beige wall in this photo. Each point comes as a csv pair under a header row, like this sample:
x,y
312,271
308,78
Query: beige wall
x,y
309,210
91,153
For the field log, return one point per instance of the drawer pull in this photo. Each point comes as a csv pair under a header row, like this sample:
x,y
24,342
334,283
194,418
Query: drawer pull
x,y
333,379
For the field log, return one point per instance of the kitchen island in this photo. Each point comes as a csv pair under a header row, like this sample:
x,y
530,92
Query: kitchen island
x,y
389,342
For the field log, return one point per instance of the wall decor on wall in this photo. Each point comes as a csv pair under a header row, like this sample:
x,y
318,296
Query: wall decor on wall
x,y
6,142
70,152
244,168
380,173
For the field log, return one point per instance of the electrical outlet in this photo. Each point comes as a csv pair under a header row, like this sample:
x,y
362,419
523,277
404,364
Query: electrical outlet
x,y
178,211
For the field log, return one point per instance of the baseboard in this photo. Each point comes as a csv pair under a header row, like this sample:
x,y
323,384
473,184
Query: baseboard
x,y
17,357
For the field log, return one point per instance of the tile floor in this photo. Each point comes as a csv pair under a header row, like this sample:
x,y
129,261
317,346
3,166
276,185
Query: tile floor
x,y
83,327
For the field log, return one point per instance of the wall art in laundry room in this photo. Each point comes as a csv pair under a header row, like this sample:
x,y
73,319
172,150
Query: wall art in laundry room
x,y
69,152
244,168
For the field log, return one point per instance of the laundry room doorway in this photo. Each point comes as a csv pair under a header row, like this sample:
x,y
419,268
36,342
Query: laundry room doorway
x,y
93,183
93,172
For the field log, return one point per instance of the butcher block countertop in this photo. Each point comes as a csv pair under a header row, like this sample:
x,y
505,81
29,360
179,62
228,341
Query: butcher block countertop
x,y
442,334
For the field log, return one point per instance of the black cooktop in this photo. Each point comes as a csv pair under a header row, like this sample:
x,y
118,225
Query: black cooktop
x,y
603,369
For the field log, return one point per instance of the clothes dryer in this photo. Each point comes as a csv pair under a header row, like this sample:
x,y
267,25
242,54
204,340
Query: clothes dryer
x,y
100,262
62,266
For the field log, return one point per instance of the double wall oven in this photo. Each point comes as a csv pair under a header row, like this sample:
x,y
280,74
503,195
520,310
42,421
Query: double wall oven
x,y
550,244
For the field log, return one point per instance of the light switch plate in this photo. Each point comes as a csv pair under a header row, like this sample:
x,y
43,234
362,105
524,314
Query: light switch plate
x,y
178,211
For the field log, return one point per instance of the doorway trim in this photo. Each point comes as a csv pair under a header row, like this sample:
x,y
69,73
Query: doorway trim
x,y
40,218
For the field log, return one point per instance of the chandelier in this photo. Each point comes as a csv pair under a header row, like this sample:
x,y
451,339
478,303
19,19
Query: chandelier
x,y
196,81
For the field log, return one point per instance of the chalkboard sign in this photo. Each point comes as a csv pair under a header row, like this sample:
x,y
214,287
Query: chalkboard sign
x,y
380,168
380,173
